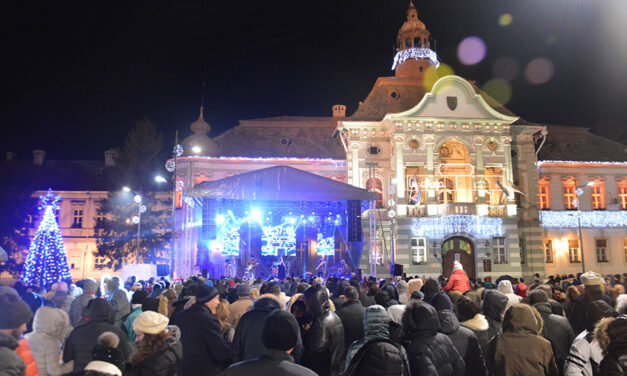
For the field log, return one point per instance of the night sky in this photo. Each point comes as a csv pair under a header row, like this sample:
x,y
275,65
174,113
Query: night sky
x,y
77,75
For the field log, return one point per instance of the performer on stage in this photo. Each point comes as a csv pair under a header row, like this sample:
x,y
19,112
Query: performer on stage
x,y
251,267
343,270
229,267
281,269
321,266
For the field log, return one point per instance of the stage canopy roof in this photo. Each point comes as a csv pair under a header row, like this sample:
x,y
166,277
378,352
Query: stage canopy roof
x,y
281,183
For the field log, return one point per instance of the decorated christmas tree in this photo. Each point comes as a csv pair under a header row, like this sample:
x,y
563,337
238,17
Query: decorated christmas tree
x,y
46,262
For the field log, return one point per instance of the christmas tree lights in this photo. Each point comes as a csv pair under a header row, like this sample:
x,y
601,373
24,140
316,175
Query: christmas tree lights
x,y
46,262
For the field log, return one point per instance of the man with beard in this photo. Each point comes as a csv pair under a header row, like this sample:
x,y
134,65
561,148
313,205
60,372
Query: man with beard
x,y
14,314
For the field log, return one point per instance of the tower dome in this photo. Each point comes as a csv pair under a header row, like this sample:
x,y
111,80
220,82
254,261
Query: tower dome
x,y
200,128
414,54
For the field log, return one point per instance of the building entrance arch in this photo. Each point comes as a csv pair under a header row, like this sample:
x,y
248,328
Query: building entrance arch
x,y
461,249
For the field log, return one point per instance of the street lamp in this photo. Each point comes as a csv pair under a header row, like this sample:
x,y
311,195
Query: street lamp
x,y
577,202
137,219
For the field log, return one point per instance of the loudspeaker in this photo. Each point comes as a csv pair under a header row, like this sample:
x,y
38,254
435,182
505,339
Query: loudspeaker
x,y
204,273
353,211
163,270
209,210
396,270
358,274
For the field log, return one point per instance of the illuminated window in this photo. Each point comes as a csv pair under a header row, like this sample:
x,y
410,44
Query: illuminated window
x,y
569,196
601,246
597,194
548,251
418,251
445,193
100,262
622,196
544,198
499,250
415,188
573,251
377,190
77,221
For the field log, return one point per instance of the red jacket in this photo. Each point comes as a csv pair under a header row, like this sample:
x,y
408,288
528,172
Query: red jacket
x,y
458,282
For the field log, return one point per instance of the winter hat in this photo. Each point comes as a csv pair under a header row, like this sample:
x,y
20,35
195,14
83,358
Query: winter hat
x,y
457,266
243,290
205,293
139,296
8,290
591,278
538,296
150,323
101,367
14,312
106,351
280,331
466,308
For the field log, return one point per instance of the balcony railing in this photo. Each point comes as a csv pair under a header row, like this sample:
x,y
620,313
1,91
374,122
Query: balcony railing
x,y
416,211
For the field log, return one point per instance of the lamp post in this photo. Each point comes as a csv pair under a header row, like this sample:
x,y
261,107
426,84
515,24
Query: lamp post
x,y
579,192
137,219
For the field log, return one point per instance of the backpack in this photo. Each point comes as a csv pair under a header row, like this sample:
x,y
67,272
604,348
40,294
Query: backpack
x,y
354,367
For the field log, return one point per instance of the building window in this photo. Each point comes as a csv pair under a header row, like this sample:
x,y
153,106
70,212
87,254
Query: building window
x,y
573,251
445,193
548,251
544,199
622,196
569,196
100,262
77,221
601,246
376,189
57,213
418,251
523,254
597,194
499,250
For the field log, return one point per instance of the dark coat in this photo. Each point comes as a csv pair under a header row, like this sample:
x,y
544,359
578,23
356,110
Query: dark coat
x,y
465,341
270,363
426,348
435,296
556,330
520,350
577,315
84,338
203,348
352,315
615,361
165,362
10,363
247,342
494,303
324,341
392,292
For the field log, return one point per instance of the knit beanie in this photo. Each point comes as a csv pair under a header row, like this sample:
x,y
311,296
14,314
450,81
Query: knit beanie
x,y
457,266
139,296
13,312
150,322
205,293
538,296
107,351
280,331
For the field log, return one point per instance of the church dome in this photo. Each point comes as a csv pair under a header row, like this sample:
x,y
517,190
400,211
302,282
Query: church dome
x,y
200,128
414,54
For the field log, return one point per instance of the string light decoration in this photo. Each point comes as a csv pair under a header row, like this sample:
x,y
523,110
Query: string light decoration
x,y
46,262
415,53
480,227
592,219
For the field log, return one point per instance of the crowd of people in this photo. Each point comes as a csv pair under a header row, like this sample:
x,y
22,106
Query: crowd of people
x,y
560,325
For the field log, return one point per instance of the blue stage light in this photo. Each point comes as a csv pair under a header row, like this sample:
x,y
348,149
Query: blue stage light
x,y
256,215
219,219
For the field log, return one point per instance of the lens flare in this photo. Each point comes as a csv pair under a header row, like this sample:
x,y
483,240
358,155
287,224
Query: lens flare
x,y
498,89
432,74
471,50
539,71
505,19
506,68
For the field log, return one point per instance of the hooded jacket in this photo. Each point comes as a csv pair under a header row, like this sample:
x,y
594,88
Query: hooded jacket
x,y
465,341
164,362
556,330
392,292
479,325
83,339
426,348
401,286
494,303
49,329
10,363
76,308
118,299
458,281
520,350
383,357
351,313
505,287
435,296
324,341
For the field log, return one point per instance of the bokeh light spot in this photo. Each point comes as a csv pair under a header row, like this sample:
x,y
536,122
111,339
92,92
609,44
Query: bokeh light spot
x,y
506,68
432,74
498,89
505,19
471,50
539,71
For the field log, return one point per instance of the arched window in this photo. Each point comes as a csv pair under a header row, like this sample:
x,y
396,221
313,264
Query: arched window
x,y
408,42
376,190
445,191
417,42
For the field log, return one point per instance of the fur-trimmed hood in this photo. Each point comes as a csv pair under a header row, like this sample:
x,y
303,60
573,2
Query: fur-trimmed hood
x,y
477,323
267,302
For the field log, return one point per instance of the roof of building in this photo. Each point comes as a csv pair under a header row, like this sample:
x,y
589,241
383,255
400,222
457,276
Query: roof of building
x,y
564,143
282,137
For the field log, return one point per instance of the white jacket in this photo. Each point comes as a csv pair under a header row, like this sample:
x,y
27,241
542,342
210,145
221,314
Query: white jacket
x,y
582,354
49,327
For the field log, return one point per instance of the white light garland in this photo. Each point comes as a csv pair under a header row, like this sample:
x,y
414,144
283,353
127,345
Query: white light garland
x,y
480,227
415,53
610,163
595,219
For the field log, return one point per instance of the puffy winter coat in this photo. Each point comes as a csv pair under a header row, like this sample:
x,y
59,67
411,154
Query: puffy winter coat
x,y
392,292
84,338
165,362
557,330
270,363
615,361
352,315
49,327
479,325
435,296
24,352
324,341
520,350
10,363
494,303
465,341
505,287
458,281
429,351
76,308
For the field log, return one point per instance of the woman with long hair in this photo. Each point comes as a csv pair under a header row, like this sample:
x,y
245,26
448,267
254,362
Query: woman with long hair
x,y
158,347
222,314
571,294
166,298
